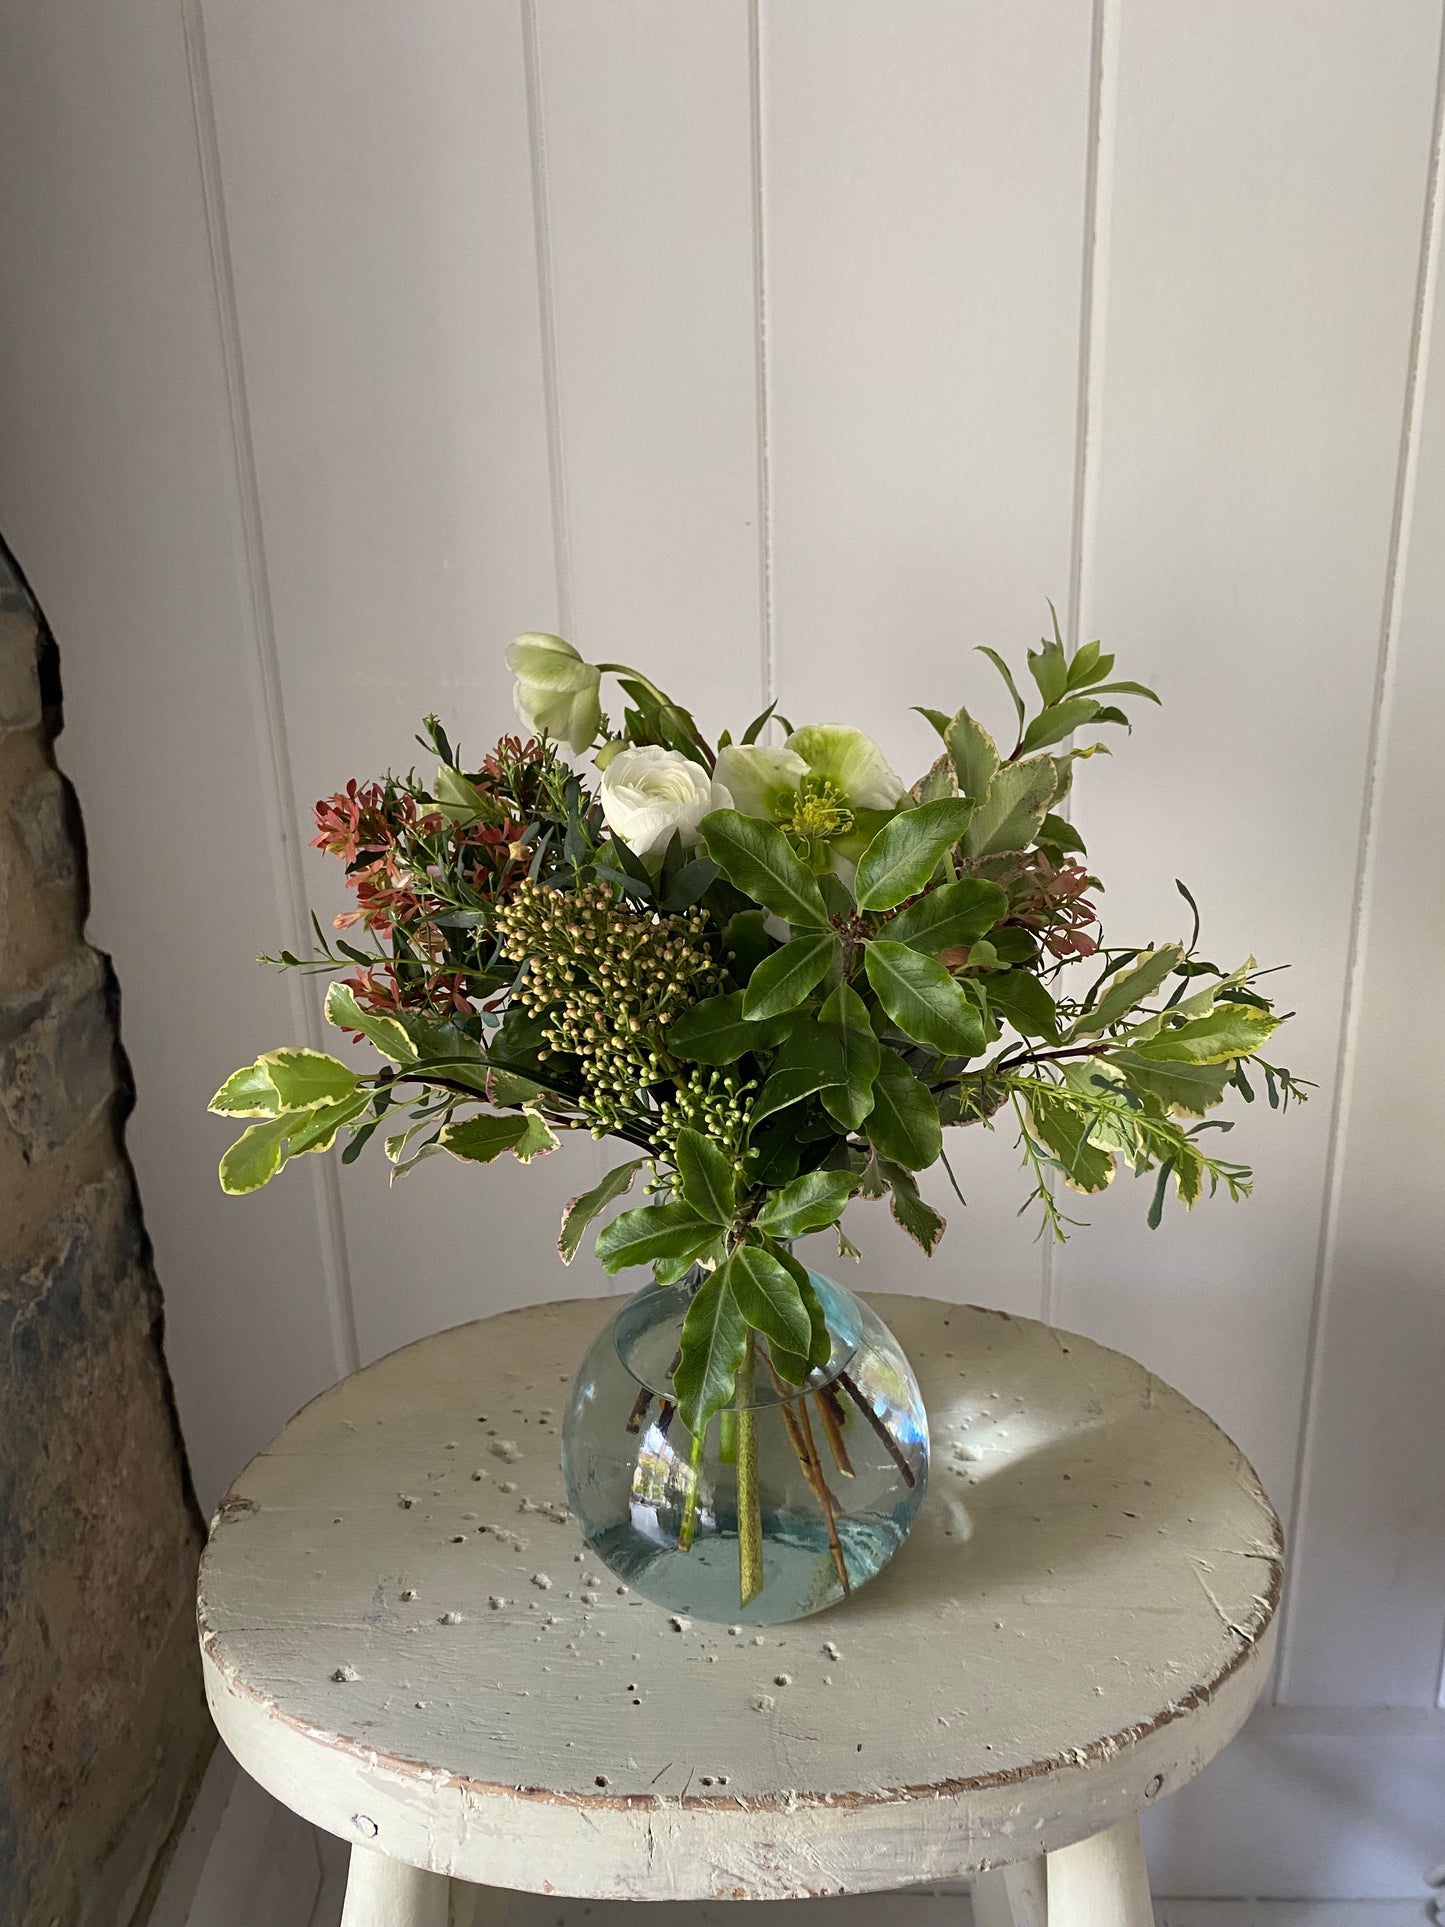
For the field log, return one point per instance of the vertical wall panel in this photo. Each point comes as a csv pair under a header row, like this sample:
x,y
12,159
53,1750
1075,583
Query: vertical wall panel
x,y
118,495
1367,1608
377,181
645,126
1258,284
924,176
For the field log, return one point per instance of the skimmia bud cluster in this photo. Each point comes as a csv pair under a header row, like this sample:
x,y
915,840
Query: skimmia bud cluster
x,y
607,980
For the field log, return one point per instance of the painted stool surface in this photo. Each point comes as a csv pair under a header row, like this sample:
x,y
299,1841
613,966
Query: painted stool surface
x,y
406,1642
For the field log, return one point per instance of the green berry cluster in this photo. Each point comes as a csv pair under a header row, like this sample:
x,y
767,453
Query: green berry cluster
x,y
608,979
712,1102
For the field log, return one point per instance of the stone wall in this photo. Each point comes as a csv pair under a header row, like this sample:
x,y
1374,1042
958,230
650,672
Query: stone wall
x,y
103,1729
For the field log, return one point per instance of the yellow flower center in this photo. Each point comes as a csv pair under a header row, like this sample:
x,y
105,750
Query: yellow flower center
x,y
819,812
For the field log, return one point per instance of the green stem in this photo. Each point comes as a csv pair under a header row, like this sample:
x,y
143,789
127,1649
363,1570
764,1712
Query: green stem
x,y
750,1515
684,721
689,1508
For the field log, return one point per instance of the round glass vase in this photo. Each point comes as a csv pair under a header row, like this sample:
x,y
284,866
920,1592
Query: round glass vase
x,y
795,1497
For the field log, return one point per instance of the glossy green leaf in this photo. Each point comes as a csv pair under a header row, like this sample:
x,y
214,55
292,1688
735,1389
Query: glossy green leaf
x,y
907,850
1049,666
939,779
1124,689
247,1092
389,1037
1022,999
810,1203
775,1153
709,1182
783,980
714,1340
1008,815
1003,669
820,1346
668,1271
845,1028
911,1210
1128,988
1060,834
923,1000
1052,725
903,1124
317,1132
653,1231
787,1087
1012,944
458,800
716,1031
952,915
536,1141
1089,665
484,1137
581,1211
1188,1175
758,859
768,1298
1192,1089
1229,1030
304,1077
502,1087
745,943
258,1154
974,752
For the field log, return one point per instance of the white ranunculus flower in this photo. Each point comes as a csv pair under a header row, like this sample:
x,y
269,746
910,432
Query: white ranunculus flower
x,y
759,781
647,793
555,693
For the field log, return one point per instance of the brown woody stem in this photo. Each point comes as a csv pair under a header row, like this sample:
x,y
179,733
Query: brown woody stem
x,y
800,1437
890,1444
831,1413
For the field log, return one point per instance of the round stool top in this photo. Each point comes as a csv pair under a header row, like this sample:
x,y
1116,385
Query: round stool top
x,y
405,1640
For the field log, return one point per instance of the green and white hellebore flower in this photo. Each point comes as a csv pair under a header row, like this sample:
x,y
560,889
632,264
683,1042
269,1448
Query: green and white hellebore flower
x,y
555,693
647,793
828,788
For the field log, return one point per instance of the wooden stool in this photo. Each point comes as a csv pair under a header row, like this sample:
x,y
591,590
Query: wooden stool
x,y
407,1643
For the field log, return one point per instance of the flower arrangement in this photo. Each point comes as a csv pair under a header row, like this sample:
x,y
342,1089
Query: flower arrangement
x,y
769,968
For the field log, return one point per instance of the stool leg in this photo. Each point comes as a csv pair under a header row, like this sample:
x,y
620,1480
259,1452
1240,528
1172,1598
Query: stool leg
x,y
1015,1896
1101,1882
388,1893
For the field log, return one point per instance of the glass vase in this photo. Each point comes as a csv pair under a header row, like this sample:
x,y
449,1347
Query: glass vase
x,y
795,1497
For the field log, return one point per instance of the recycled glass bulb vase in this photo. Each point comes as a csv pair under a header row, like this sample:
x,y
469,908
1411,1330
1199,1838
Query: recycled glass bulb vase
x,y
795,1497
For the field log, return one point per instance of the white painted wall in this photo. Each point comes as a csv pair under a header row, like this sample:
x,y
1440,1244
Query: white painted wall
x,y
790,347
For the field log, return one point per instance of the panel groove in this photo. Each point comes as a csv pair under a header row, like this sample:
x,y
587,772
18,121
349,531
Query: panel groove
x,y
767,644
1098,185
280,802
1397,556
1093,291
547,322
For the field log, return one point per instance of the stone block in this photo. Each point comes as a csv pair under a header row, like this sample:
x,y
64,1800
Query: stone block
x,y
58,1064
20,706
97,1546
40,813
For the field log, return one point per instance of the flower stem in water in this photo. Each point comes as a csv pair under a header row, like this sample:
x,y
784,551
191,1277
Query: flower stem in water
x,y
831,1413
750,1516
689,1506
